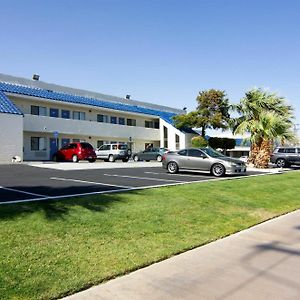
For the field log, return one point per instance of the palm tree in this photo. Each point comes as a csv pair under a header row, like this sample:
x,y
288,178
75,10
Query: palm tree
x,y
267,118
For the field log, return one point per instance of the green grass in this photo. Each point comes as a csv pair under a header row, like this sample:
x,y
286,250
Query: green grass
x,y
51,249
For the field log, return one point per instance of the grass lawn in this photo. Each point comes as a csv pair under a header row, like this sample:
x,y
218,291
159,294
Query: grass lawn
x,y
51,249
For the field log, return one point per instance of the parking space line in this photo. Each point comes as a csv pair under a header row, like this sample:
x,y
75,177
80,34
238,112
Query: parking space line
x,y
23,192
143,178
44,198
182,175
90,182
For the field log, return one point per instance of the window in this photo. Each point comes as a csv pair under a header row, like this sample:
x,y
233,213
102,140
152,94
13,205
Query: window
x,y
34,110
78,115
165,137
149,124
38,110
196,153
104,147
86,146
290,150
65,142
131,122
177,141
122,121
99,143
102,118
183,152
165,132
65,114
113,120
54,112
43,111
156,124
38,143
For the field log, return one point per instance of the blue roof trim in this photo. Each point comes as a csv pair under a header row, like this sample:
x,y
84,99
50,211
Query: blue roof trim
x,y
6,106
58,96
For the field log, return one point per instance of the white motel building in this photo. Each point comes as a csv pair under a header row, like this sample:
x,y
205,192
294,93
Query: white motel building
x,y
36,118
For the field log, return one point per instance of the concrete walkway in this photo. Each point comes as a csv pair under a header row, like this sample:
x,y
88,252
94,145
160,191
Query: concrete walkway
x,y
262,262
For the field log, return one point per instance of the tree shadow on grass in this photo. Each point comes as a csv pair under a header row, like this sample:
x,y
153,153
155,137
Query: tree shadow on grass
x,y
58,208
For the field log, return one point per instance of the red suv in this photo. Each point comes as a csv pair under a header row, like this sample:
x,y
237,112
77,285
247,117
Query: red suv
x,y
76,152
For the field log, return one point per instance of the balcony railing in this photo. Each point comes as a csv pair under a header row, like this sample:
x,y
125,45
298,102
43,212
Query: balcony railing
x,y
45,124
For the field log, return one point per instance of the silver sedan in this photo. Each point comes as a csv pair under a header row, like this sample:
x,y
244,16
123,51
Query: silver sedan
x,y
204,160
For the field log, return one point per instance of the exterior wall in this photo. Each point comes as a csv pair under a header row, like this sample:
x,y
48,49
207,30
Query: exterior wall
x,y
11,135
24,103
136,144
172,132
49,125
38,126
188,139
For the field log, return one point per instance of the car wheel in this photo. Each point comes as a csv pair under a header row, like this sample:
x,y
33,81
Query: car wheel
x,y
75,158
159,158
136,158
281,162
92,160
218,170
125,159
111,158
172,167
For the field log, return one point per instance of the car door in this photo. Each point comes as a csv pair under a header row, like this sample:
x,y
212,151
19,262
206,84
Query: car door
x,y
153,154
146,154
66,152
291,154
103,151
182,159
197,160
73,150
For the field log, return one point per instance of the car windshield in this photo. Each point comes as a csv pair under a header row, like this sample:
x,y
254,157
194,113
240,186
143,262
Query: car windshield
x,y
86,146
122,147
211,152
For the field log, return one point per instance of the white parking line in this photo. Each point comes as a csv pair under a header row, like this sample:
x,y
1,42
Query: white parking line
x,y
44,198
144,178
183,175
23,192
90,182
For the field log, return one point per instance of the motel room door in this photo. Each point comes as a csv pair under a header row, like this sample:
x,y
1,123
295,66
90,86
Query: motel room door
x,y
53,146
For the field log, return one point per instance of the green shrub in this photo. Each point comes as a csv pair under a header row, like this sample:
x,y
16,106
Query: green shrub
x,y
199,141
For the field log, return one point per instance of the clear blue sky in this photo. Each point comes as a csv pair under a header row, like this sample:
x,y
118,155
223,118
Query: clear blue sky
x,y
160,51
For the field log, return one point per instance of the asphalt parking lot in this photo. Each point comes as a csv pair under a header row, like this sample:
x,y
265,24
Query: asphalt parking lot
x,y
22,183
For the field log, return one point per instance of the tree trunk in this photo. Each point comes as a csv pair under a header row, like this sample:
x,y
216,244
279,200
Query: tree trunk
x,y
253,153
263,156
203,131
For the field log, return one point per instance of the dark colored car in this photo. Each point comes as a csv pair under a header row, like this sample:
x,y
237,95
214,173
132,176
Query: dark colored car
x,y
286,156
75,152
203,160
150,154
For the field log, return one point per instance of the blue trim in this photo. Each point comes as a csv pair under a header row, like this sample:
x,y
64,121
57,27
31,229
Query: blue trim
x,y
6,106
58,96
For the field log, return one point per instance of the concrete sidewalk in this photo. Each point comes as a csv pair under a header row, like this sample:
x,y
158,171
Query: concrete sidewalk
x,y
262,262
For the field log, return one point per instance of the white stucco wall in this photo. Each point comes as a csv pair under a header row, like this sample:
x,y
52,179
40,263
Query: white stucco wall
x,y
11,136
172,132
